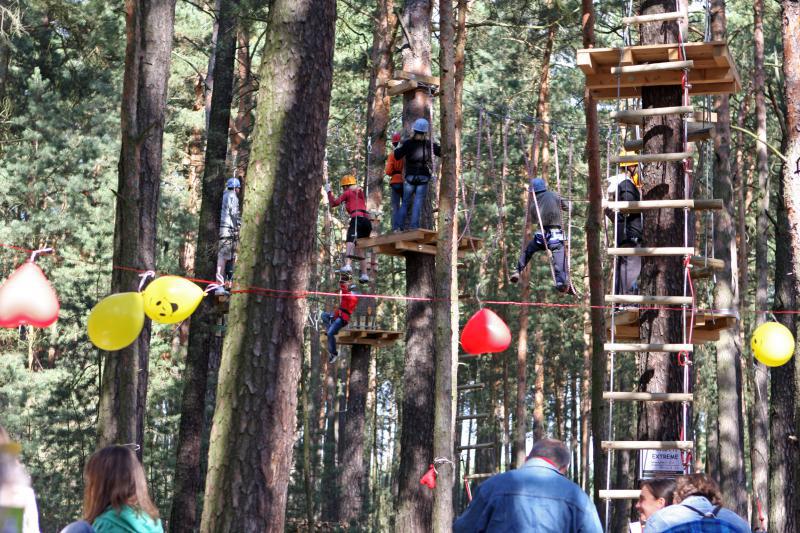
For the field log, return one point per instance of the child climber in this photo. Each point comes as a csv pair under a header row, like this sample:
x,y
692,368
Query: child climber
x,y
624,187
360,227
394,168
419,169
341,317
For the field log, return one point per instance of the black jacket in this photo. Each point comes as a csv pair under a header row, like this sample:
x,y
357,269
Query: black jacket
x,y
550,207
629,226
417,156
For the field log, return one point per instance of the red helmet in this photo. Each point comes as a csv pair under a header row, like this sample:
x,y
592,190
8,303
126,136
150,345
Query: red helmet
x,y
396,137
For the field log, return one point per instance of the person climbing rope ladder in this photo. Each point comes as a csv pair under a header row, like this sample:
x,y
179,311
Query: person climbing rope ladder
x,y
419,169
334,322
229,222
394,168
550,206
624,187
360,226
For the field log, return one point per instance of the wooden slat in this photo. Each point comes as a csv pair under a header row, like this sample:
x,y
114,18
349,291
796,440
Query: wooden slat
x,y
633,207
484,475
652,251
647,300
651,158
637,114
403,75
707,262
649,396
403,87
482,446
410,235
646,347
619,494
471,386
647,445
654,17
653,67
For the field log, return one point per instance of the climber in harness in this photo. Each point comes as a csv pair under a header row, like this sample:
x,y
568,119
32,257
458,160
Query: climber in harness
x,y
394,168
550,205
229,223
334,322
418,170
360,226
624,187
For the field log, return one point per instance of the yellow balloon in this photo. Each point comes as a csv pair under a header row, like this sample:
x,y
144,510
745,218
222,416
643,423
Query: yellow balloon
x,y
171,299
116,321
772,344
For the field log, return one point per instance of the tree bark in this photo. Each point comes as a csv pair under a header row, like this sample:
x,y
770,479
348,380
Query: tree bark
x,y
149,28
188,473
416,440
255,420
446,306
242,125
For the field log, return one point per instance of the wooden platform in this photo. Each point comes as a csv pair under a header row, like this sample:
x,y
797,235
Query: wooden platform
x,y
713,70
404,82
707,326
371,337
421,241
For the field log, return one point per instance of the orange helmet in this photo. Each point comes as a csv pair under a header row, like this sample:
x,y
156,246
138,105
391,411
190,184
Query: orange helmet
x,y
349,179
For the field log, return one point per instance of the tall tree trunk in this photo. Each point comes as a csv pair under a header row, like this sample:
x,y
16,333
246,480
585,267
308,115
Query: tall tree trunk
x,y
594,221
726,296
149,28
446,307
353,476
538,385
416,440
188,473
329,497
242,125
254,423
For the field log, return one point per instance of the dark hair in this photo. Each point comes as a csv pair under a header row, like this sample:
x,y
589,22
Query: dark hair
x,y
661,487
114,477
697,485
551,449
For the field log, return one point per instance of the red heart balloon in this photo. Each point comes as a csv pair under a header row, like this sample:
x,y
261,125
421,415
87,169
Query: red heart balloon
x,y
27,297
485,332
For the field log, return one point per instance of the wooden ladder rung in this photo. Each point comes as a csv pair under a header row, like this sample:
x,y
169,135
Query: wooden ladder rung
x,y
647,445
619,494
651,158
707,262
482,446
653,67
649,396
471,417
651,251
635,115
633,207
646,347
471,386
655,17
647,300
483,475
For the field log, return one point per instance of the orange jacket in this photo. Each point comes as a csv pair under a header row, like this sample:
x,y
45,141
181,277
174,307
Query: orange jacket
x,y
394,168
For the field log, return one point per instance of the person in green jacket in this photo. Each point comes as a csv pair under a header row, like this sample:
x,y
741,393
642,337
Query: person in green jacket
x,y
115,498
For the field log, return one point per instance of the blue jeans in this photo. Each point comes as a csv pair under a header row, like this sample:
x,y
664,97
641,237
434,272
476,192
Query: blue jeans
x,y
418,192
556,245
397,196
334,326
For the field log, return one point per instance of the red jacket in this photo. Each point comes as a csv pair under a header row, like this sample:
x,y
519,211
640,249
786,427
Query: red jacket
x,y
354,202
394,168
348,304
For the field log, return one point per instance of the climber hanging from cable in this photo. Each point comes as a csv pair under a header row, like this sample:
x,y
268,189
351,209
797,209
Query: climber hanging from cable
x,y
334,322
229,223
418,170
394,168
624,187
360,226
547,207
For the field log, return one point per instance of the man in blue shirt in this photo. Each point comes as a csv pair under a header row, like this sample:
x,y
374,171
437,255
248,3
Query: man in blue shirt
x,y
536,498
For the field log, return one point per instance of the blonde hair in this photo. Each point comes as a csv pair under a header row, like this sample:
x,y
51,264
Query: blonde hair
x,y
114,477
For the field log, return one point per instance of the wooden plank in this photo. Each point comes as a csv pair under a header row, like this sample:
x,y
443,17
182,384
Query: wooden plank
x,y
651,158
484,475
647,445
471,417
647,300
649,396
400,88
471,386
633,90
634,207
653,67
413,76
482,446
637,114
415,247
654,17
647,347
620,494
707,262
651,251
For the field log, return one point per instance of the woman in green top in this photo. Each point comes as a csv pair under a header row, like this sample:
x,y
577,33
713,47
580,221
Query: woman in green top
x,y
115,498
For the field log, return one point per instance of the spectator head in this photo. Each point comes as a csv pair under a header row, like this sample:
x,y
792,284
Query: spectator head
x,y
656,494
552,450
113,477
697,485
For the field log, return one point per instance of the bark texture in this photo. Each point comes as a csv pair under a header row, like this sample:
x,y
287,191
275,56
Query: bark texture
x,y
255,419
148,28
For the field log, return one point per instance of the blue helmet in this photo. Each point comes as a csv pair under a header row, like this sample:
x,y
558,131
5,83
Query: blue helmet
x,y
233,183
538,185
421,125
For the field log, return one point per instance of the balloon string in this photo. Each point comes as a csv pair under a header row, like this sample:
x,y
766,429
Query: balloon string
x,y
40,251
144,276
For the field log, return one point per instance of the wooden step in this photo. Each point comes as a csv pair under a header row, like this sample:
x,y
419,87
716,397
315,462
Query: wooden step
x,y
651,251
635,207
470,386
471,417
647,445
619,494
655,17
483,475
482,446
646,347
652,67
634,116
649,396
707,262
651,158
647,300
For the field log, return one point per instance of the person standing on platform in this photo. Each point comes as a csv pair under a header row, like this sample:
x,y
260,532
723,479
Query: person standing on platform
x,y
550,207
418,152
394,169
624,187
360,226
334,322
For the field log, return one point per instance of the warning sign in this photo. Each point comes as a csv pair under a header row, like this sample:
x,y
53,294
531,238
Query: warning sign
x,y
660,463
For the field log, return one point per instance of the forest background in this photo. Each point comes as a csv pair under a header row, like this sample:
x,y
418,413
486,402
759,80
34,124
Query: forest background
x,y
61,73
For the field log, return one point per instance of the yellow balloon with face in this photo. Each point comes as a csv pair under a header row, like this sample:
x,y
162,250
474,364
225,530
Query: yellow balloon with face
x,y
171,299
